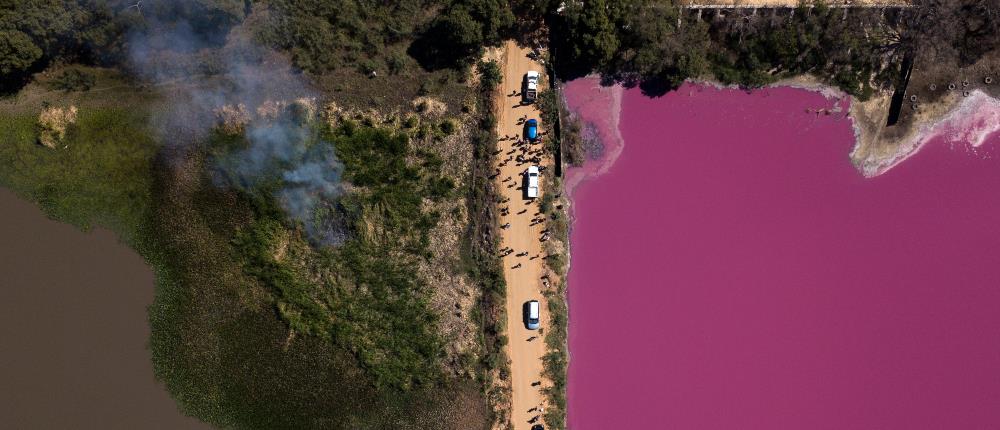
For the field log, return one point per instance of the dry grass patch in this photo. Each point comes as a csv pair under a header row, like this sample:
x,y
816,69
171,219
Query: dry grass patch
x,y
53,122
429,107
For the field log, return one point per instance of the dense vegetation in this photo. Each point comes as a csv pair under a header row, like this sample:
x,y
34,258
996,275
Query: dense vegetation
x,y
35,34
320,37
364,294
483,238
657,45
648,42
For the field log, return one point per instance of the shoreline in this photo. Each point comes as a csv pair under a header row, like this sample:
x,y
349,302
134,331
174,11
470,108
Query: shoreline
x,y
606,124
605,128
971,120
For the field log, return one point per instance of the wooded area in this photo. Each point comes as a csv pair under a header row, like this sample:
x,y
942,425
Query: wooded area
x,y
648,42
657,45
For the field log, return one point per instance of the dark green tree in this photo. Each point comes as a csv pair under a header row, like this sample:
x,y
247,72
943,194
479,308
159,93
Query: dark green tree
x,y
17,53
593,33
453,39
495,17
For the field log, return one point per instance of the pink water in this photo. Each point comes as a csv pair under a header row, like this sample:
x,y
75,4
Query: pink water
x,y
733,270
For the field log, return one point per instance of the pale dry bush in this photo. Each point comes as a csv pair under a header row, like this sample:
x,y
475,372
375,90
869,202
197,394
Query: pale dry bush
x,y
232,119
269,110
332,114
302,109
53,123
430,107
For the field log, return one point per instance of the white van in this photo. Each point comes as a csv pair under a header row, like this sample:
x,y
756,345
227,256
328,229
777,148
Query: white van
x,y
532,178
532,315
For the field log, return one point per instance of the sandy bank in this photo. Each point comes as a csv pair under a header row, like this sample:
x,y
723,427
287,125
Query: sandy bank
x,y
955,118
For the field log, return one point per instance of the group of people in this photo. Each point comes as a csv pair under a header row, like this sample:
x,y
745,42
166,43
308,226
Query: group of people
x,y
523,152
540,410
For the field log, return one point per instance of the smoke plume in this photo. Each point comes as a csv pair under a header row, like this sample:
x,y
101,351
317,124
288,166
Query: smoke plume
x,y
217,80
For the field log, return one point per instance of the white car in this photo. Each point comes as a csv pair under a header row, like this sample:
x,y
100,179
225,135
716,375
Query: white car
x,y
532,317
532,178
530,90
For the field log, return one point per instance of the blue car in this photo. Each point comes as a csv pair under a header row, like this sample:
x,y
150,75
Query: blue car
x,y
531,129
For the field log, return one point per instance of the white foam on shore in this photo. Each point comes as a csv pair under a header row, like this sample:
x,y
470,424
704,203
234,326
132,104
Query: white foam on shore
x,y
972,121
805,82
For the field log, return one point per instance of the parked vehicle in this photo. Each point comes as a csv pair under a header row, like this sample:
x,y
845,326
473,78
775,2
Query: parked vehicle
x,y
532,315
529,88
537,427
531,182
531,129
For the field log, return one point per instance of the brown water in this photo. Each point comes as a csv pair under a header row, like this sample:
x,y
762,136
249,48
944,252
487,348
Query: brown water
x,y
73,329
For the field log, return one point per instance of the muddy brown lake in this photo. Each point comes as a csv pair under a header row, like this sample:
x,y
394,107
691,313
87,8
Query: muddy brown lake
x,y
74,329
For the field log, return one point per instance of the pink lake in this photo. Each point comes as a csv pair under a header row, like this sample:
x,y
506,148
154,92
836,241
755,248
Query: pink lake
x,y
733,270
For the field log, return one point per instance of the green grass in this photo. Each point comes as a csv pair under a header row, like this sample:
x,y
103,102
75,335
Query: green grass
x,y
481,242
101,176
556,360
228,355
231,323
376,305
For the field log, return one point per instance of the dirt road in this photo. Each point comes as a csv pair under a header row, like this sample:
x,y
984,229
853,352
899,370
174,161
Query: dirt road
x,y
524,266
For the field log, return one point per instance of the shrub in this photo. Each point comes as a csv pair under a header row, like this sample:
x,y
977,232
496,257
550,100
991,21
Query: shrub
x,y
396,63
74,80
490,74
448,127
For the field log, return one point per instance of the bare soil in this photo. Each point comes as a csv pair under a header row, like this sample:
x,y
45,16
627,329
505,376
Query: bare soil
x,y
522,273
934,91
